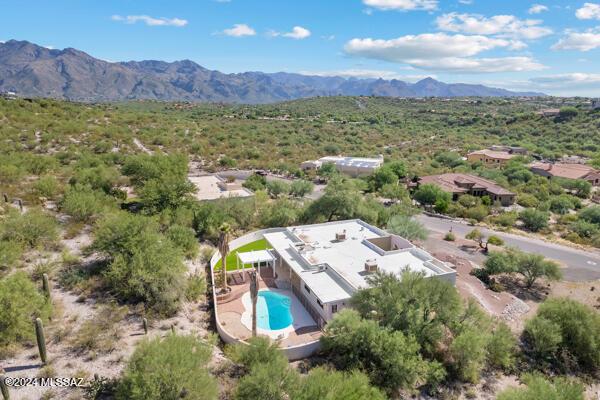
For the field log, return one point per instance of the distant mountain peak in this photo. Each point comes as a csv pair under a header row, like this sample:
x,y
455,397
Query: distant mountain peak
x,y
36,71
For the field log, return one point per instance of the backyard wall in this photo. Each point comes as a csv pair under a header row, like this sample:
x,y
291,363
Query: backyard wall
x,y
293,352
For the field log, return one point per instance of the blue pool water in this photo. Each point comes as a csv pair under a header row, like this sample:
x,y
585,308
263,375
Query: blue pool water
x,y
273,311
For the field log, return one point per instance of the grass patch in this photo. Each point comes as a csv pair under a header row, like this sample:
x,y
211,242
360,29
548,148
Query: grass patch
x,y
260,244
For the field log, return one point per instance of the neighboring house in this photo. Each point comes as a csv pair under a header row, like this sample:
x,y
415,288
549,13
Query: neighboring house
x,y
459,184
211,187
325,264
596,104
490,157
574,160
567,171
353,166
549,112
515,150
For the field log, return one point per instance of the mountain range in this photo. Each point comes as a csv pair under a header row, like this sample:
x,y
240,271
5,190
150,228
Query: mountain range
x,y
30,70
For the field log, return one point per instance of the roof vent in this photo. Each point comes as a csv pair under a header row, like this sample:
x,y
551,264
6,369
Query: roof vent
x,y
339,236
371,266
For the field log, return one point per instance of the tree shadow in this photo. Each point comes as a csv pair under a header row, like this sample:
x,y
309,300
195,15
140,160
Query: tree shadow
x,y
22,367
538,292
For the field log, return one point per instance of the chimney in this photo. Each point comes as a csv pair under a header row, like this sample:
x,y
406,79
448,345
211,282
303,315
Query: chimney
x,y
339,236
371,266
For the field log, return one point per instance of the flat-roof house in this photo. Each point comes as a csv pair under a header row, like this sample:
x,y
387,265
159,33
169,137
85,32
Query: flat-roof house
x,y
567,171
324,264
490,157
549,112
353,166
459,184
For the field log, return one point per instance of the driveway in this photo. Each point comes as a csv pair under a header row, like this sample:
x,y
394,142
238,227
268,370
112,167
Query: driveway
x,y
580,265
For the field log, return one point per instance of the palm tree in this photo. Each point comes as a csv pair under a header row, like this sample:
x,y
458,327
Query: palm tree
x,y
224,230
254,286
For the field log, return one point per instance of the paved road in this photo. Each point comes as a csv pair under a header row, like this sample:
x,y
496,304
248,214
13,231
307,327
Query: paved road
x,y
580,265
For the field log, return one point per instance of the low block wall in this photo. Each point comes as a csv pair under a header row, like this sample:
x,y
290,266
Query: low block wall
x,y
292,353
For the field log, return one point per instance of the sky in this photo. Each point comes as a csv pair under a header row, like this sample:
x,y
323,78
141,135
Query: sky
x,y
548,46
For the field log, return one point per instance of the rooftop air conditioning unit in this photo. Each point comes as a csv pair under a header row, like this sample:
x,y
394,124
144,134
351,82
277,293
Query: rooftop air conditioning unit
x,y
340,235
371,266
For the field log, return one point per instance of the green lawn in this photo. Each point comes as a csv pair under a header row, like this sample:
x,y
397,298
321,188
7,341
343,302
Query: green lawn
x,y
260,244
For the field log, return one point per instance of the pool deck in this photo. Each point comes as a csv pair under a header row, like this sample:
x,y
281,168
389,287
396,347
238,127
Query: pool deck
x,y
231,310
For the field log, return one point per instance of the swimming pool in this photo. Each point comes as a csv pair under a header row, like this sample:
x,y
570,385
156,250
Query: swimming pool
x,y
273,310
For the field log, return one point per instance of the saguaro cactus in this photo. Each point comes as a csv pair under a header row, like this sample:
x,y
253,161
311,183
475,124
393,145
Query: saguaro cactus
x,y
41,340
46,287
145,325
254,286
4,388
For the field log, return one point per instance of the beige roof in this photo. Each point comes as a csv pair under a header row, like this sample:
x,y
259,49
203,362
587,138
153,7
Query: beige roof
x,y
503,155
561,170
451,183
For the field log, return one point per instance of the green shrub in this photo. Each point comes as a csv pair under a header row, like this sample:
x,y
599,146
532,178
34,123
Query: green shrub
x,y
196,287
47,186
255,182
10,253
33,229
450,237
185,239
276,188
527,200
407,227
495,240
144,266
20,303
172,368
506,219
83,203
322,383
591,214
533,219
562,328
300,188
391,359
430,195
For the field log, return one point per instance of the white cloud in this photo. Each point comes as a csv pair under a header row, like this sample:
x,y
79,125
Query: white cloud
x,y
503,25
582,41
480,65
402,5
588,11
537,8
423,46
150,21
466,2
569,84
297,32
440,51
239,30
368,74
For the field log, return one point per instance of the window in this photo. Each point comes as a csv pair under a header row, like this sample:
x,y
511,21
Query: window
x,y
333,308
319,303
306,288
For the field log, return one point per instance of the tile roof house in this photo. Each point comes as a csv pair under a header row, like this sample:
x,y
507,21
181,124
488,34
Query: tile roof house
x,y
567,171
490,157
459,184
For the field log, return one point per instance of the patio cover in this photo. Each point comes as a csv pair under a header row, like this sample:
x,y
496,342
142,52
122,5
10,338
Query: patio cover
x,y
255,257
